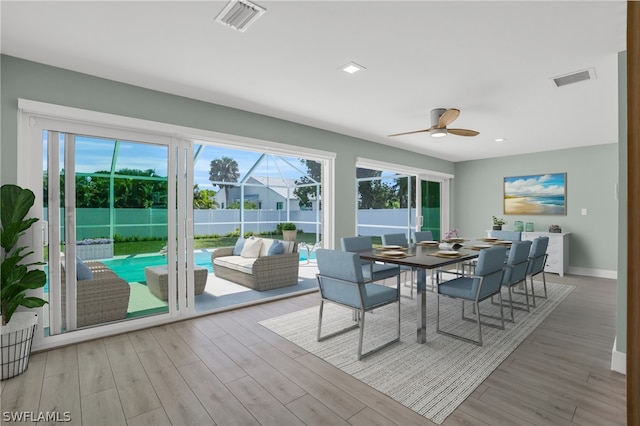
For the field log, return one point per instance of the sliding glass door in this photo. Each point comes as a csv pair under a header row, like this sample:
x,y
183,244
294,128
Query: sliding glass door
x,y
397,199
430,207
117,238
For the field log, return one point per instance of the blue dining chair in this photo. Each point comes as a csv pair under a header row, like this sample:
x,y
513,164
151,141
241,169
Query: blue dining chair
x,y
515,272
372,271
341,281
537,262
422,236
400,239
485,283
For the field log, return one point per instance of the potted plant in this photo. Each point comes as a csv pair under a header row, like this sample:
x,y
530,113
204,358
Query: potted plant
x,y
497,223
16,278
288,231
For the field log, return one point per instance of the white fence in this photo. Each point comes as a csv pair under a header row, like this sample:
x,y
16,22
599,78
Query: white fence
x,y
152,223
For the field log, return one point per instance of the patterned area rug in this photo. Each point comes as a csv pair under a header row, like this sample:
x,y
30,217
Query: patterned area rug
x,y
433,378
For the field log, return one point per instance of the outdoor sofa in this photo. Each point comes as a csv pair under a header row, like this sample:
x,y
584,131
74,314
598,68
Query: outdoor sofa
x,y
258,263
102,296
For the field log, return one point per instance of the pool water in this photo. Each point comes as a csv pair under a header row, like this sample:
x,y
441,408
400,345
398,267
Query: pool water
x,y
131,268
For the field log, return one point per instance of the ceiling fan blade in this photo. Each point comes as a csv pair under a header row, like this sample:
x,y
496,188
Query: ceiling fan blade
x,y
448,117
410,133
463,132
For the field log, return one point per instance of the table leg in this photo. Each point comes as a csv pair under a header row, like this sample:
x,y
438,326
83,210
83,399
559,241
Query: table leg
x,y
421,307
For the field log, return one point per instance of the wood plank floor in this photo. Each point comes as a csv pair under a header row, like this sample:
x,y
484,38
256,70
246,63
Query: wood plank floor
x,y
226,369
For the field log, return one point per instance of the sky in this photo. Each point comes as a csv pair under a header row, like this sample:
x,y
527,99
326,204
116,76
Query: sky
x,y
93,154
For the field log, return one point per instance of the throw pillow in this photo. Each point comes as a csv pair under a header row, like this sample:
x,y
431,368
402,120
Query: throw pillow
x,y
251,248
237,250
276,248
82,271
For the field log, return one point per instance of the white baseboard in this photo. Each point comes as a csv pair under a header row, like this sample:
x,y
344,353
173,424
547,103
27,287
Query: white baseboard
x,y
598,273
618,360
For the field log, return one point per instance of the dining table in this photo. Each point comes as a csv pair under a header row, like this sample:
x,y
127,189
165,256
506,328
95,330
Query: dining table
x,y
427,256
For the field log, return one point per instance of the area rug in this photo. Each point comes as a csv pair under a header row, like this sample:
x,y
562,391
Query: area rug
x,y
433,378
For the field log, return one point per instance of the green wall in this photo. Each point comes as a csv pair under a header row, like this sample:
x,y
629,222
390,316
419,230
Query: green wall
x,y
38,82
621,313
592,175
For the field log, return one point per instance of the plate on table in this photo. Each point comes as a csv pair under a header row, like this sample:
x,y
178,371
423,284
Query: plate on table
x,y
482,246
427,242
391,247
448,252
393,253
490,239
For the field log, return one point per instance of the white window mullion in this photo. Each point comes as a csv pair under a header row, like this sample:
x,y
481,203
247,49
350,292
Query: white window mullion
x,y
182,261
187,148
70,230
53,201
172,230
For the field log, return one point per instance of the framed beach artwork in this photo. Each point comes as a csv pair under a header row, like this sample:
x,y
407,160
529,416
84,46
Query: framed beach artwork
x,y
536,194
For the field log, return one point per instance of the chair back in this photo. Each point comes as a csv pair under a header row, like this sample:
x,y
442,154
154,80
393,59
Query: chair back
x,y
537,255
489,266
422,236
517,262
394,239
355,244
339,276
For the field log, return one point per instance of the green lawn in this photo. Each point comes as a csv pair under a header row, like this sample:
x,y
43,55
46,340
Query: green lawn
x,y
135,247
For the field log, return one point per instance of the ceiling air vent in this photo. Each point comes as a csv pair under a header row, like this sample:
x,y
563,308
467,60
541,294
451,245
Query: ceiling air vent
x,y
574,77
240,14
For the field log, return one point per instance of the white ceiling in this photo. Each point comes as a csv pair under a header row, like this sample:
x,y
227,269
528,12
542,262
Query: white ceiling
x,y
492,60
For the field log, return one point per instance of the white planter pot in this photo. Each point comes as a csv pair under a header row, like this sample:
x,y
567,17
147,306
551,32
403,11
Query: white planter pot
x,y
15,343
94,251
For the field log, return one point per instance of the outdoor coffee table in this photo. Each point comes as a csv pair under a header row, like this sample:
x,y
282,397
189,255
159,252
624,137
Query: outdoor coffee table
x,y
158,280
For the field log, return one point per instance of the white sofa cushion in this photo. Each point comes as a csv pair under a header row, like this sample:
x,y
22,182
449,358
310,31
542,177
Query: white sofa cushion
x,y
237,263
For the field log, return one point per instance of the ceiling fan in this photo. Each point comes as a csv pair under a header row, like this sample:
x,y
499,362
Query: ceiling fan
x,y
440,119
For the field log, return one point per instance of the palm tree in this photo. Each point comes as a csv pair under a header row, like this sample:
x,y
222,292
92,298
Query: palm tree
x,y
204,198
224,169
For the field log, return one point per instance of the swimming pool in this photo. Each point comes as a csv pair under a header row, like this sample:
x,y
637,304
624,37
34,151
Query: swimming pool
x,y
131,268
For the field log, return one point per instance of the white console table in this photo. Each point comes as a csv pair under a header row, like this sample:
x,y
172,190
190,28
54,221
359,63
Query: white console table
x,y
557,252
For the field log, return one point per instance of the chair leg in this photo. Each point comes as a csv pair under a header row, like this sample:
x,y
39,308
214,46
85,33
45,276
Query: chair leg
x,y
533,293
510,304
360,336
320,318
477,308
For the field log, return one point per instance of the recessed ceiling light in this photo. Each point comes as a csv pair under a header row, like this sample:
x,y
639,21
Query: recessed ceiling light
x,y
352,68
500,139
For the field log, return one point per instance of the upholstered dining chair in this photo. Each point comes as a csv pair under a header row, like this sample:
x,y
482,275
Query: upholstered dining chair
x,y
485,283
372,271
400,239
515,272
341,281
422,236
537,262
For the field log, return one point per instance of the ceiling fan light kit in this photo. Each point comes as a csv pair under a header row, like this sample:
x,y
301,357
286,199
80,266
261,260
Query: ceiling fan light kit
x,y
438,133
